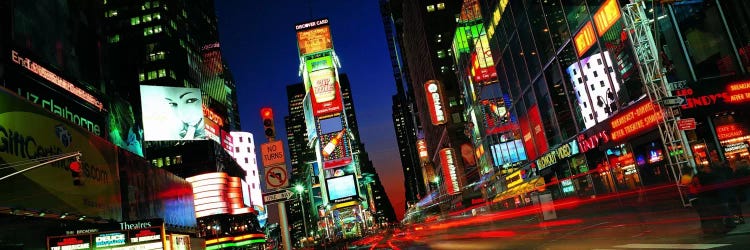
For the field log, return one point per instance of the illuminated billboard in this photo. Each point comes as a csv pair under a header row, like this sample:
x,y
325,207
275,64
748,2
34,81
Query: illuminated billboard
x,y
422,149
149,192
313,37
341,189
508,153
636,119
335,149
482,65
172,113
143,234
217,193
597,100
435,103
325,93
331,124
450,177
124,130
32,135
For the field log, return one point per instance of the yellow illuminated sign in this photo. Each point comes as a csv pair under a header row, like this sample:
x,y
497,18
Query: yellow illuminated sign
x,y
585,39
606,16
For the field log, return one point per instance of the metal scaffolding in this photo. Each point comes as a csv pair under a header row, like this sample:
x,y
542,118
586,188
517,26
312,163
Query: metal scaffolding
x,y
640,33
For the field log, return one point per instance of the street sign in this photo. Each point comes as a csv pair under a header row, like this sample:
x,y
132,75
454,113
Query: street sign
x,y
686,124
276,177
673,101
280,195
272,153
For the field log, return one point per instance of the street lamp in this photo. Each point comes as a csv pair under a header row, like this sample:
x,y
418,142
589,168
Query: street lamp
x,y
299,188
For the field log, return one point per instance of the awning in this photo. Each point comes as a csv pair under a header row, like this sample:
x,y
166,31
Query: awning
x,y
525,187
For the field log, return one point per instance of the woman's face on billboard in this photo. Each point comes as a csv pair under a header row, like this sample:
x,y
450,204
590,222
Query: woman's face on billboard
x,y
186,105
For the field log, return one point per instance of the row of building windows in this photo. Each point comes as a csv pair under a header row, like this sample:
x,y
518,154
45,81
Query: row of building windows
x,y
152,30
145,18
167,161
154,74
431,7
150,4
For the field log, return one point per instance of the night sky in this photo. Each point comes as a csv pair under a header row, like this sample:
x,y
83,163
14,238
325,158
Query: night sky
x,y
258,41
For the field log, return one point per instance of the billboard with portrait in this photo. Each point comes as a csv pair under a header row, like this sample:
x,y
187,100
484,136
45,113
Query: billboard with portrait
x,y
172,113
125,130
341,189
314,37
150,192
29,135
325,92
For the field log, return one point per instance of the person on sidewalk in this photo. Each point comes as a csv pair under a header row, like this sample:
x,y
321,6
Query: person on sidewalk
x,y
711,204
690,184
741,178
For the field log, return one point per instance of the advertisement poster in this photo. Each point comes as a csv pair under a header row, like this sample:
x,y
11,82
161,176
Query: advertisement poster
x,y
314,40
335,149
597,99
30,135
172,113
325,93
154,192
341,189
124,130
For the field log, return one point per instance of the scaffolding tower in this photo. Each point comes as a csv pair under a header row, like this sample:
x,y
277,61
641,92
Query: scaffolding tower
x,y
658,89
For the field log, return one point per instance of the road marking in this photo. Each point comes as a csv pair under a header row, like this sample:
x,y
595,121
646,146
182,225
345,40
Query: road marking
x,y
672,246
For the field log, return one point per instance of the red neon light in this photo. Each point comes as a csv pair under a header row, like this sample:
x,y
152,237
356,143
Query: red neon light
x,y
422,148
606,16
635,120
211,115
435,102
729,131
585,38
448,160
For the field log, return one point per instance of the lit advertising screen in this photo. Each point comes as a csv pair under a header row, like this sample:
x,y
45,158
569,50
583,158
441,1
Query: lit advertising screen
x,y
124,130
508,152
28,133
335,149
217,193
331,124
341,189
482,64
325,61
150,192
325,93
172,113
315,39
142,234
495,115
212,131
597,100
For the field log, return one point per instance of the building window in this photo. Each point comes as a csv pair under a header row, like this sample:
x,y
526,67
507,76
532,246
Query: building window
x,y
236,149
253,185
246,160
111,13
151,75
430,8
441,53
248,149
135,21
441,6
162,72
178,159
141,77
114,39
254,173
240,139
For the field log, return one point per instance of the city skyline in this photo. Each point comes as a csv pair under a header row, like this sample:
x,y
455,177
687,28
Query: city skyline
x,y
355,28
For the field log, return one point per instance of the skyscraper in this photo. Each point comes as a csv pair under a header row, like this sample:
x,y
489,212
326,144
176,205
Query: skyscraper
x,y
403,104
301,156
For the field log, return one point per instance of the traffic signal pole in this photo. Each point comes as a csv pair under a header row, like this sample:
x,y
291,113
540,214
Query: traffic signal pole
x,y
76,154
269,131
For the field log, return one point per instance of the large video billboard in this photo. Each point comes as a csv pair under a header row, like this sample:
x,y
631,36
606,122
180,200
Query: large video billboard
x,y
125,130
28,136
597,100
341,189
314,36
172,113
150,192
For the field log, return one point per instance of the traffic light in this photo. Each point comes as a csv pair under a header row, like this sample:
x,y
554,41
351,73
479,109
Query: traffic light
x,y
268,129
75,171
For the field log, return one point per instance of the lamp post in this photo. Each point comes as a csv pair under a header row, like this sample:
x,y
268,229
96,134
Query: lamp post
x,y
299,188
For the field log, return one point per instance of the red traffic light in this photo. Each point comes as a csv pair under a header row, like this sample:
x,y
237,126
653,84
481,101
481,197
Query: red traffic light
x,y
266,113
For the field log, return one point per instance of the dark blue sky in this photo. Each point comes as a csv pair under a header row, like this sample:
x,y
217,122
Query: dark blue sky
x,y
258,41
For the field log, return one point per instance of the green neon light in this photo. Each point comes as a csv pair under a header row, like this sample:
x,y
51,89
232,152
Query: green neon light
x,y
235,244
464,34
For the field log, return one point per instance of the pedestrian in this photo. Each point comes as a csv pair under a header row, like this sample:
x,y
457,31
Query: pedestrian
x,y
711,204
728,188
690,184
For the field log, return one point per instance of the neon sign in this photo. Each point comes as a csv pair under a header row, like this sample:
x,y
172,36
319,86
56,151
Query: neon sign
x,y
422,148
435,102
211,115
729,131
449,170
584,39
635,120
606,16
55,79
